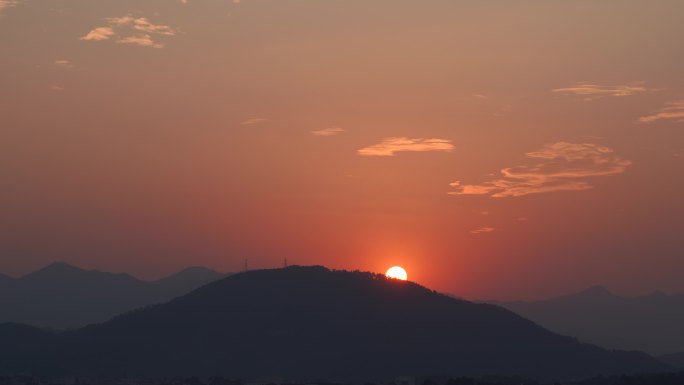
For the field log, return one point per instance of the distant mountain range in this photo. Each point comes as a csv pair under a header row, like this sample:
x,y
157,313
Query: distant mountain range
x,y
62,296
311,323
653,323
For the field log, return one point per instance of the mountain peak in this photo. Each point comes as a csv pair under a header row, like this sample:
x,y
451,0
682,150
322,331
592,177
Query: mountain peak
x,y
61,272
596,291
55,268
61,266
658,294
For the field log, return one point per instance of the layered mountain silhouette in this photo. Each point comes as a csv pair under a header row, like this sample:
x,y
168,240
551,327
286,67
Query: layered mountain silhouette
x,y
653,323
313,323
62,296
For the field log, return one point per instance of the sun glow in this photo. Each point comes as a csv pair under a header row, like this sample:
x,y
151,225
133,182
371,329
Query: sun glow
x,y
396,272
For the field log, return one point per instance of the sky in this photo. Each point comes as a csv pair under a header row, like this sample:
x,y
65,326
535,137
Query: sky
x,y
495,149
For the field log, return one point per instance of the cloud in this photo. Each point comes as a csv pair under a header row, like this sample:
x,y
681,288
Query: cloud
x,y
63,63
251,121
560,166
98,34
143,25
131,30
4,4
141,40
332,131
483,229
57,88
590,89
671,111
390,146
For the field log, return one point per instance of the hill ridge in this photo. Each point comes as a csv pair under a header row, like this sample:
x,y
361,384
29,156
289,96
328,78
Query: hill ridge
x,y
312,322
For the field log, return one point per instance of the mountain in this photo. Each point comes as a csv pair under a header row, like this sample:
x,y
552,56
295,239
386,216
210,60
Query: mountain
x,y
313,323
62,296
652,323
675,359
187,280
5,281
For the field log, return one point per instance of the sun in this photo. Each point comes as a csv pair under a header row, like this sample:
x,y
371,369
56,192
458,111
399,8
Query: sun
x,y
396,272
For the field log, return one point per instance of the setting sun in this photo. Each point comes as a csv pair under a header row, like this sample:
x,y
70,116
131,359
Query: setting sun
x,y
396,272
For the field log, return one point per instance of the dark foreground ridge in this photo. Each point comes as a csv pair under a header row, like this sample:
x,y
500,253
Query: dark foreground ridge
x,y
312,323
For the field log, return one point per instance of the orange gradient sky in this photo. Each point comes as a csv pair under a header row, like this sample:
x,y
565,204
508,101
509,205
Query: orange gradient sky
x,y
494,149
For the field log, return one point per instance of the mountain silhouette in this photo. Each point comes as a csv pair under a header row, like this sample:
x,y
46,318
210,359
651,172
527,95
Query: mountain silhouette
x,y
63,296
652,323
187,280
675,359
314,323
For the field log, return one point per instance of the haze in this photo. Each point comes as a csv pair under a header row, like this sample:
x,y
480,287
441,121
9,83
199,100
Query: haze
x,y
493,149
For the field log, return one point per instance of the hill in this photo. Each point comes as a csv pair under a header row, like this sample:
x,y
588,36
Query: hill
x,y
652,323
312,323
675,359
63,296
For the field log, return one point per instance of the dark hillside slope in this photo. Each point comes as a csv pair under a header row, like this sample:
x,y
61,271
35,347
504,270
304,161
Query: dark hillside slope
x,y
310,322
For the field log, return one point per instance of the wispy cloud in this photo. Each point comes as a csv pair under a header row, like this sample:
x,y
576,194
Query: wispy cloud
x,y
131,30
98,34
483,229
63,63
141,40
251,121
332,131
595,90
4,4
671,111
560,166
390,146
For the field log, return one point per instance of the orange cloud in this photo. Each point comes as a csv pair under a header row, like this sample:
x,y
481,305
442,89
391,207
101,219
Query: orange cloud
x,y
328,131
483,229
390,146
562,166
251,121
590,89
671,111
137,31
98,34
63,63
4,4
141,40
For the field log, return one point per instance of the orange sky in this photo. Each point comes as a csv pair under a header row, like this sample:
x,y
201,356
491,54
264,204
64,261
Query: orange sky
x,y
494,149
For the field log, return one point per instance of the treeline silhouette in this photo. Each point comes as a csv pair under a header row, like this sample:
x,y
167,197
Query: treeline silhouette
x,y
216,380
641,379
650,379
